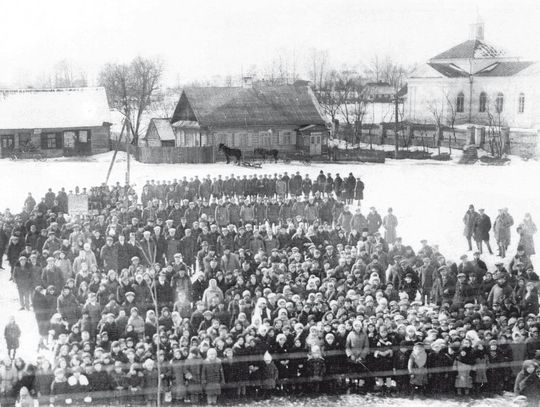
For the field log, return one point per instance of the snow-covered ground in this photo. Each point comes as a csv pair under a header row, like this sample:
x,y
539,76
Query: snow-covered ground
x,y
429,198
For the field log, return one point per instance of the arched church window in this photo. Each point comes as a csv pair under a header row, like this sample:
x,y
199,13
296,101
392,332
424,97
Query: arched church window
x,y
483,102
521,103
460,103
499,103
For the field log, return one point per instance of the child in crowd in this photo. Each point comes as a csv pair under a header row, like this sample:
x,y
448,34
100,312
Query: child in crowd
x,y
212,376
12,334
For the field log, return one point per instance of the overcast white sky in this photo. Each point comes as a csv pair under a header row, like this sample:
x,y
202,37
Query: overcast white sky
x,y
201,38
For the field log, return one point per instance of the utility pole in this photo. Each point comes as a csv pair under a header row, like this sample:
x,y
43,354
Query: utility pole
x,y
128,161
115,152
396,113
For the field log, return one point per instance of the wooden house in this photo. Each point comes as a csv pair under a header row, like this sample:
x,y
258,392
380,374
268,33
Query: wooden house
x,y
54,122
287,118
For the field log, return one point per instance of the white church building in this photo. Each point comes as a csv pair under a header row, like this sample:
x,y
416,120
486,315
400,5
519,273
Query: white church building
x,y
478,84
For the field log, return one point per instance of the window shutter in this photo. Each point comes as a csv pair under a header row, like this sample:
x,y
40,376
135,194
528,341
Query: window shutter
x,y
43,141
58,140
293,138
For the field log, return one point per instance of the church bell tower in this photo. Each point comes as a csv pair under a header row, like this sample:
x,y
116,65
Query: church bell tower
x,y
477,30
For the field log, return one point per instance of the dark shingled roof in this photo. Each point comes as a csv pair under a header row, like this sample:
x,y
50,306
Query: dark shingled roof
x,y
471,49
267,105
448,70
505,68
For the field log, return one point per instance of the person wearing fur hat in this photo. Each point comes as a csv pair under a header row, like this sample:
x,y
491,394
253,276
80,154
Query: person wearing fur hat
x,y
212,377
417,367
464,365
528,383
192,374
439,363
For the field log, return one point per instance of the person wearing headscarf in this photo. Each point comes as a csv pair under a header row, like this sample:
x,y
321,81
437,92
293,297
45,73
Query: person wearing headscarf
x,y
528,383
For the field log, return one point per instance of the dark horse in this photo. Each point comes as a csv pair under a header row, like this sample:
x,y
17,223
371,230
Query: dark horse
x,y
230,152
263,152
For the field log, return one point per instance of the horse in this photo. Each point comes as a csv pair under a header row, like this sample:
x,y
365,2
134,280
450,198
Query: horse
x,y
230,152
263,152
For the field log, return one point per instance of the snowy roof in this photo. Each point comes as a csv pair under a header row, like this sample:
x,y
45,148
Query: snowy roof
x,y
449,70
496,69
471,49
164,129
235,106
53,108
378,92
510,68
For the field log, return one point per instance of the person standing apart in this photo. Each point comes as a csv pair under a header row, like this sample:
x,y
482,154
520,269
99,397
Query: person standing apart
x,y
501,230
526,230
482,226
469,220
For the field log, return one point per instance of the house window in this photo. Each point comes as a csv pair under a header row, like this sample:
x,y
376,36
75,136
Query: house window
x,y
521,103
241,140
483,102
460,103
48,141
285,138
83,136
264,136
69,139
499,103
254,139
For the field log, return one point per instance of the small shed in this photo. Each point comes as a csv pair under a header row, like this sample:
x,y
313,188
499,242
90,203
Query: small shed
x,y
159,134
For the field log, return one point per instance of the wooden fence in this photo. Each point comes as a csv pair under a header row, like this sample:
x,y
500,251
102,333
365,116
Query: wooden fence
x,y
522,144
175,155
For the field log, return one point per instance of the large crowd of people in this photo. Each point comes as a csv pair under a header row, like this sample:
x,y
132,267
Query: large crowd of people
x,y
257,286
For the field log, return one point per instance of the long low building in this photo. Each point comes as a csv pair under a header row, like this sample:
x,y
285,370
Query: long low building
x,y
287,118
54,122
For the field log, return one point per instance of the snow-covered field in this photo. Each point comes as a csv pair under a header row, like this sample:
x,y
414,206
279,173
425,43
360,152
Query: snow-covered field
x,y
429,198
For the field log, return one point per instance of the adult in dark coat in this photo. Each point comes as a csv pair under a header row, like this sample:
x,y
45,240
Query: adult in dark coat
x,y
359,190
22,274
295,184
42,311
123,253
349,185
338,186
482,226
469,220
68,306
14,249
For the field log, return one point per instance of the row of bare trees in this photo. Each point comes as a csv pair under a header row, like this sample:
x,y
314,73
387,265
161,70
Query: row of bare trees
x,y
444,116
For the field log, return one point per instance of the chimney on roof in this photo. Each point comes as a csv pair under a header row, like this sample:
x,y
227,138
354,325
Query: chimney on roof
x,y
477,30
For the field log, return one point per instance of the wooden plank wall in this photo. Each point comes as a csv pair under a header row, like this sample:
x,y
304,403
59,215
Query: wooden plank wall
x,y
176,155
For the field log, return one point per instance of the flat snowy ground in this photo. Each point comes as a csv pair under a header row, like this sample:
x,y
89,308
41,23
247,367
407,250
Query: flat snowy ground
x,y
429,198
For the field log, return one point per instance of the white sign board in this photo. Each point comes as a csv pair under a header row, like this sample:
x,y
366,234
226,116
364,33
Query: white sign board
x,y
77,204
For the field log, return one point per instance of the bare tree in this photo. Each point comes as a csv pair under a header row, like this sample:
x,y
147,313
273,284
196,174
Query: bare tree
x,y
131,89
328,95
351,103
385,69
318,67
164,102
451,119
65,75
436,109
495,134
